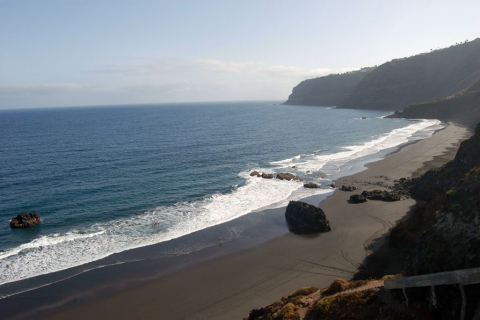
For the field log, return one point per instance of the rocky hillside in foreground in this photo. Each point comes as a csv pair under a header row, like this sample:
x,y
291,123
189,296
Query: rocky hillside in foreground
x,y
442,234
331,90
450,220
397,83
462,108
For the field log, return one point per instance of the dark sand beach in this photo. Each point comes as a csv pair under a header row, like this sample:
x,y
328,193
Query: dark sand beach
x,y
226,282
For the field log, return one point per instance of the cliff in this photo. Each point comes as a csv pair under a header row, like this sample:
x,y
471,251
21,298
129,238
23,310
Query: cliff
x,y
397,83
462,108
442,234
331,90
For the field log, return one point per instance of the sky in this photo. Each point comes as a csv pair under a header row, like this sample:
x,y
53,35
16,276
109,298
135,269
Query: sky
x,y
105,52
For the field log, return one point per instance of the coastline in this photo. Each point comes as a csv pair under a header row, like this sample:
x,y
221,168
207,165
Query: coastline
x,y
228,281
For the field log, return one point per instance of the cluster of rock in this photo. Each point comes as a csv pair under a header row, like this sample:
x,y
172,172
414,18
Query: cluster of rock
x,y
402,187
303,218
347,188
281,176
288,176
380,195
284,176
25,219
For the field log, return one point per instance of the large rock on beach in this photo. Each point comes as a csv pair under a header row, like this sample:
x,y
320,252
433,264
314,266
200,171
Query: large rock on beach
x,y
24,220
381,195
288,176
303,218
311,185
348,188
357,198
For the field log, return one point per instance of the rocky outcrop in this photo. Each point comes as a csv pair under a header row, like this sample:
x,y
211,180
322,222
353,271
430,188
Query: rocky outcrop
x,y
462,108
397,83
331,90
381,195
25,220
357,198
348,188
288,176
438,181
267,176
311,185
255,173
421,78
303,218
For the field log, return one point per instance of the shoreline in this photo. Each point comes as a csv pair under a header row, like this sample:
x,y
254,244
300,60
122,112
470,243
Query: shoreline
x,y
212,264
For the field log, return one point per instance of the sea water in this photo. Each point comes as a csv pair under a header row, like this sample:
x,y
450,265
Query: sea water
x,y
108,179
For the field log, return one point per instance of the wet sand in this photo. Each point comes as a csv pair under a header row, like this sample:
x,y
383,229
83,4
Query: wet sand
x,y
229,286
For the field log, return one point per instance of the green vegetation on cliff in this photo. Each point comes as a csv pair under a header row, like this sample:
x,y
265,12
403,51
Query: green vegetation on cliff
x,y
397,83
331,90
462,108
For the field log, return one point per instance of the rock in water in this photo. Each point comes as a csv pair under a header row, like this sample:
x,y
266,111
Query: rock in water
x,y
288,176
303,218
255,173
24,220
357,198
267,176
381,195
311,185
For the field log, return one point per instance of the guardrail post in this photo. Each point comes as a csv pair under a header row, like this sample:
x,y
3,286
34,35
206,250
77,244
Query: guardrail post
x,y
464,302
434,298
405,293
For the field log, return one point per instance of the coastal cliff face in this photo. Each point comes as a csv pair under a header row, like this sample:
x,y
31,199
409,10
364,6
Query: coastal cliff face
x,y
331,90
398,83
442,234
451,218
462,108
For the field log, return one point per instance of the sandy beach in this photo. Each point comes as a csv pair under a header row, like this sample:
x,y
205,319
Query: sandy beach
x,y
229,286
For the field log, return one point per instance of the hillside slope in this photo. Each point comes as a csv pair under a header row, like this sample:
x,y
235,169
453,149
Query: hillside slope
x,y
331,90
397,83
462,108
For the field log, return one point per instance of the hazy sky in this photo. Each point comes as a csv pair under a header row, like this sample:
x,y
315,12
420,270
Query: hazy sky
x,y
67,53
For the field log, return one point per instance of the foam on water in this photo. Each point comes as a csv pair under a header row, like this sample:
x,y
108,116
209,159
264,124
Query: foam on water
x,y
330,163
57,252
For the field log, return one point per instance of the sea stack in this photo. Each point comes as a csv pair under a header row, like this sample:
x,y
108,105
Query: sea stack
x,y
25,220
303,218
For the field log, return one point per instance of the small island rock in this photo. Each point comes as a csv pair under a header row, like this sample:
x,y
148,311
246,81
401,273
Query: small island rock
x,y
303,218
288,176
311,185
25,219
267,176
255,173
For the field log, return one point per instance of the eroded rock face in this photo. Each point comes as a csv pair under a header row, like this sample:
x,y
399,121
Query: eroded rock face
x,y
381,195
303,218
311,185
357,198
288,176
24,220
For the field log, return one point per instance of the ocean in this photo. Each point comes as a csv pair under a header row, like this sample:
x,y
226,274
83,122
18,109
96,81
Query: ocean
x,y
113,178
